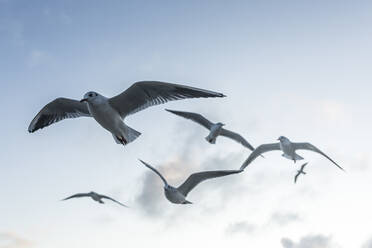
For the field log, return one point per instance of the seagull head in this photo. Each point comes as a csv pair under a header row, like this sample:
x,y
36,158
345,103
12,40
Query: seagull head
x,y
90,96
283,139
220,124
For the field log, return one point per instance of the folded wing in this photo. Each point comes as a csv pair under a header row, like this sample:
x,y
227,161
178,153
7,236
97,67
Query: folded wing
x,y
199,177
57,110
144,94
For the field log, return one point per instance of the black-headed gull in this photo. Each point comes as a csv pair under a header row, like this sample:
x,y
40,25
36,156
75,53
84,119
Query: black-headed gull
x,y
95,196
301,171
288,148
111,112
216,129
178,195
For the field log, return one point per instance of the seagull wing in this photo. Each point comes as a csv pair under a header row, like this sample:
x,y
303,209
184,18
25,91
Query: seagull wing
x,y
199,177
77,196
237,137
308,146
303,166
258,151
57,110
198,118
154,170
144,94
109,198
295,179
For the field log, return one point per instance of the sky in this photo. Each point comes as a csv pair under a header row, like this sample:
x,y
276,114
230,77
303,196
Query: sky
x,y
295,68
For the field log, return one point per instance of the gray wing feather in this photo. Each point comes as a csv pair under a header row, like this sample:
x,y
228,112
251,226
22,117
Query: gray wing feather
x,y
198,118
109,198
77,196
258,151
295,179
144,94
199,177
237,137
57,110
308,146
154,170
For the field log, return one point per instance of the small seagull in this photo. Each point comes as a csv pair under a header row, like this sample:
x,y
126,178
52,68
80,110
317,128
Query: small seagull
x,y
301,171
215,129
111,112
95,196
178,195
288,148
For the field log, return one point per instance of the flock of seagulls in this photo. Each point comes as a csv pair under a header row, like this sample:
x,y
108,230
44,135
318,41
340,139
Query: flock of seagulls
x,y
110,113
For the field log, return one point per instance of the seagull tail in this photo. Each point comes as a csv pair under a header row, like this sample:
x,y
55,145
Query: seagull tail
x,y
127,135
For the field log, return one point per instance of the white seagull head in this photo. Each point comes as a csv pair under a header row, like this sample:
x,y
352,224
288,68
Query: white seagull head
x,y
90,97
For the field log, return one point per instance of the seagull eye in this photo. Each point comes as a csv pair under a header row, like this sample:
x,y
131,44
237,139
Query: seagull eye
x,y
90,95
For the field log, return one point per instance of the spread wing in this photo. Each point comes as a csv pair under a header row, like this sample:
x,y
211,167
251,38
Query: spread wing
x,y
144,94
199,177
303,166
109,198
77,196
237,137
258,151
198,118
308,146
295,179
154,170
57,110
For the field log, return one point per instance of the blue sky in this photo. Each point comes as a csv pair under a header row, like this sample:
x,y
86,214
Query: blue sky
x,y
294,68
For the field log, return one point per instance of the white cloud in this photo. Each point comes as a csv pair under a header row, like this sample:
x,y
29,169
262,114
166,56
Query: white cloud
x,y
309,241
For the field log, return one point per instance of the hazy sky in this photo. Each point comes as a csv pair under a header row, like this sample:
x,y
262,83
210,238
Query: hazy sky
x,y
296,68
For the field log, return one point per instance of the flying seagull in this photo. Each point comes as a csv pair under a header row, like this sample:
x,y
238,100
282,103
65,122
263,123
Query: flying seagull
x,y
299,172
178,195
288,148
111,112
95,196
215,129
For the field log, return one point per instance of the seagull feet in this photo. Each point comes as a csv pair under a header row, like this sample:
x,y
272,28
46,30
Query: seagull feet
x,y
122,140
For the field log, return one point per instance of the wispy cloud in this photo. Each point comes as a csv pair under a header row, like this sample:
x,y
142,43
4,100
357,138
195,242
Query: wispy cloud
x,y
243,227
286,218
309,241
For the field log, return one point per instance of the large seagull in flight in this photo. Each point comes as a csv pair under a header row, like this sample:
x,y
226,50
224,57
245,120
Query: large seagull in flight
x,y
111,112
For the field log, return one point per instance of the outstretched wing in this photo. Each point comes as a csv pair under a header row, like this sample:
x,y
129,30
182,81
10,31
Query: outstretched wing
x,y
199,177
57,110
109,198
237,137
77,196
154,170
295,179
303,166
144,94
308,146
258,151
198,118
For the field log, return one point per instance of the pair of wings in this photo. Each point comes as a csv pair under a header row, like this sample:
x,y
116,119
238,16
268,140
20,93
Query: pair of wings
x,y
198,118
89,195
276,146
139,96
194,179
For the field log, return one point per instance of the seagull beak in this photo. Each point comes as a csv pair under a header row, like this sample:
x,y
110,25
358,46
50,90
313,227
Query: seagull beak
x,y
83,100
